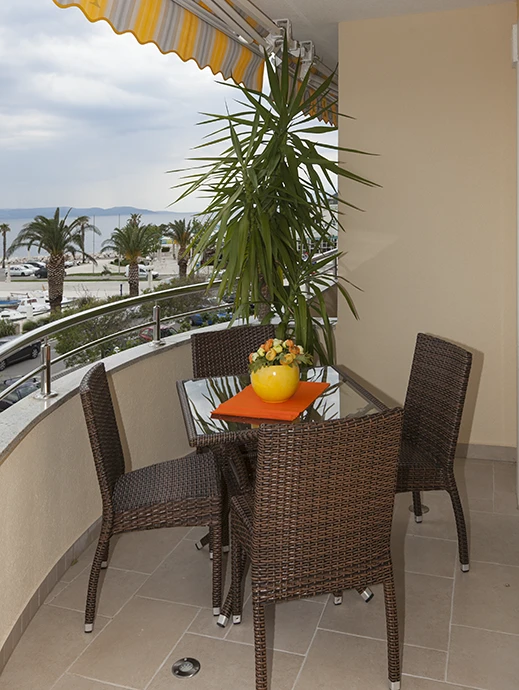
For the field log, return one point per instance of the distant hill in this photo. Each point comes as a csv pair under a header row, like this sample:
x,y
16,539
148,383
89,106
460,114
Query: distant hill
x,y
16,213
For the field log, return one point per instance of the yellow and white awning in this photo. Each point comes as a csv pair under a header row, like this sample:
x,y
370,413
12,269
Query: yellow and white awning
x,y
231,46
228,36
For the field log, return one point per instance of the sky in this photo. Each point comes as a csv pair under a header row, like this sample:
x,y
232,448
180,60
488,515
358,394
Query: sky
x,y
91,118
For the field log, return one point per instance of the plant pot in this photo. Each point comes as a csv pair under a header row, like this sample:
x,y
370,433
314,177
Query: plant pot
x,y
275,384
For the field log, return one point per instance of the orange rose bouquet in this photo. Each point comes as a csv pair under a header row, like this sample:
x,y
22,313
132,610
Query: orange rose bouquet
x,y
276,352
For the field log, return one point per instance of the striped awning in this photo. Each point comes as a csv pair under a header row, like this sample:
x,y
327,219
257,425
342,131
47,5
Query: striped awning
x,y
228,36
231,46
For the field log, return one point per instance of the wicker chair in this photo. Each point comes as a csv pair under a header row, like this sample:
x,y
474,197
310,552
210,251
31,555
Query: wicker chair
x,y
432,416
226,353
320,519
183,492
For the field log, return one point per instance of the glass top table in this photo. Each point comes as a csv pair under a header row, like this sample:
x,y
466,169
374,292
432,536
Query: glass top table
x,y
344,397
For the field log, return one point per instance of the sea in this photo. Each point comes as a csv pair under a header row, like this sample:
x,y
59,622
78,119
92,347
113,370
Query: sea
x,y
105,224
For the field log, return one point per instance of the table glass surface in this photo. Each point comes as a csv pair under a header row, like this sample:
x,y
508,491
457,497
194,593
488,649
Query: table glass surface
x,y
340,399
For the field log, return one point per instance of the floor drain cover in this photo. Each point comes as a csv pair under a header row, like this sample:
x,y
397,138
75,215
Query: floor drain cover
x,y
185,668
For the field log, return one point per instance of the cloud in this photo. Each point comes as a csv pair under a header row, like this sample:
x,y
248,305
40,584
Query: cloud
x,y
91,118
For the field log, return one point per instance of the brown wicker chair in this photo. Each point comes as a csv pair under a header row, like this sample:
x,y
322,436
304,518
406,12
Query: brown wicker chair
x,y
320,519
432,416
226,353
183,492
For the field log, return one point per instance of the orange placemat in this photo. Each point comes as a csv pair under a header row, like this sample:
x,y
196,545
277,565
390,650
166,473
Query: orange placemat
x,y
246,404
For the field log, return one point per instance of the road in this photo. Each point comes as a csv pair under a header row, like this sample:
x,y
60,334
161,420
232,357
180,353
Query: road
x,y
22,368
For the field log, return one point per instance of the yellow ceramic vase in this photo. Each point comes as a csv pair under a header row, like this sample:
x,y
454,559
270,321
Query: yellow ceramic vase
x,y
275,384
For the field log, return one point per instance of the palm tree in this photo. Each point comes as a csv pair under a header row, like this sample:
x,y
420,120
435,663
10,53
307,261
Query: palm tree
x,y
182,233
56,237
133,242
4,229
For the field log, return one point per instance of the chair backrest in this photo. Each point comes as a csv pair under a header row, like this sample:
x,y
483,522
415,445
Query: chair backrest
x,y
225,353
323,503
102,430
435,398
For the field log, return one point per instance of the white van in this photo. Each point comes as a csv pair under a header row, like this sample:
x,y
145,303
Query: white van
x,y
143,272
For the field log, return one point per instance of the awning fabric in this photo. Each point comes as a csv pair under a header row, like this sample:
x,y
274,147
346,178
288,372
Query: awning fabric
x,y
175,29
219,34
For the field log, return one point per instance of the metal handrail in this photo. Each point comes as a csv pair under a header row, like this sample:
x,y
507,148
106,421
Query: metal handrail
x,y
42,333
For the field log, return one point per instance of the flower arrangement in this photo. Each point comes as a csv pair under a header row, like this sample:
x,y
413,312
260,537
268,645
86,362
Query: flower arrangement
x,y
276,352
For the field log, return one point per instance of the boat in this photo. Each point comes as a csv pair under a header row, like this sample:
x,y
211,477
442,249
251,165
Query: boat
x,y
29,306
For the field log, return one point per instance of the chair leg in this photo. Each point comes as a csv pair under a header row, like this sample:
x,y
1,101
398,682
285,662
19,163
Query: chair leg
x,y
260,644
237,570
216,539
393,645
337,598
104,563
417,506
463,546
99,557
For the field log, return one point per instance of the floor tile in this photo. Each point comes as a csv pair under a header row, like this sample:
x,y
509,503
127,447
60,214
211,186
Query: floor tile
x,y
71,682
430,556
53,640
475,480
205,624
132,647
483,659
424,662
78,565
144,551
494,538
336,662
290,625
438,522
427,610
425,684
58,587
487,597
114,589
185,577
505,497
227,664
196,533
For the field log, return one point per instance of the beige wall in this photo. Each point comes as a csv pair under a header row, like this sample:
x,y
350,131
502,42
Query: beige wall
x,y
48,489
434,251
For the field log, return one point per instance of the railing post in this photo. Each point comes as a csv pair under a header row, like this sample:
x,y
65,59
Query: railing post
x,y
156,342
46,361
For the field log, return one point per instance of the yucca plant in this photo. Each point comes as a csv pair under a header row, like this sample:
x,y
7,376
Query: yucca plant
x,y
272,198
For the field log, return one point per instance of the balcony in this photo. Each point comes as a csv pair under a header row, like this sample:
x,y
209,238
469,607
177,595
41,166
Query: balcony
x,y
460,630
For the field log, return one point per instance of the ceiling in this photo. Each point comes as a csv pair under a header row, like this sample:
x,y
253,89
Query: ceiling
x,y
317,20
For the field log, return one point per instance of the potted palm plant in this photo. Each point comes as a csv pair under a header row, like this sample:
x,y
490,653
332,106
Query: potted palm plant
x,y
272,201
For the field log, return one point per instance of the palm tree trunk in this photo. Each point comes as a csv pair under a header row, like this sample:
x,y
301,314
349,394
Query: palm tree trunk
x,y
56,278
133,279
182,262
4,233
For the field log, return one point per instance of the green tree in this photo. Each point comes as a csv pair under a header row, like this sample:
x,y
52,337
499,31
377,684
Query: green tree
x,y
132,242
92,330
272,196
57,237
4,229
182,233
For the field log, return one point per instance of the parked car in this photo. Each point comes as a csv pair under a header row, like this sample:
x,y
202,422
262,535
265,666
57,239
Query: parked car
x,y
146,335
208,318
22,391
143,272
17,270
28,352
41,272
36,264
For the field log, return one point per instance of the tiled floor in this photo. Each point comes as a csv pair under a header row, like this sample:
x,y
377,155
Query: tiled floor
x,y
460,630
